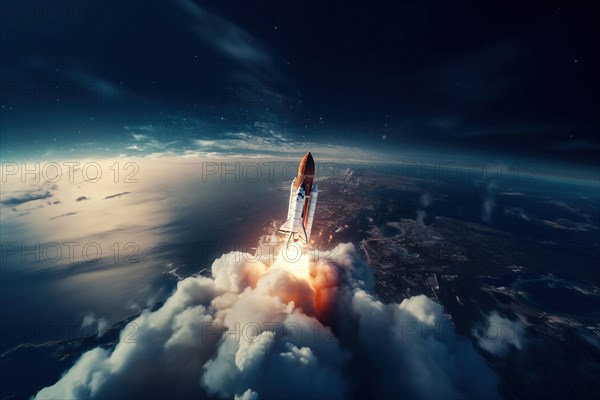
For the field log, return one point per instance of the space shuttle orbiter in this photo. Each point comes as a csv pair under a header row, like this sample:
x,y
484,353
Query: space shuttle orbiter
x,y
302,203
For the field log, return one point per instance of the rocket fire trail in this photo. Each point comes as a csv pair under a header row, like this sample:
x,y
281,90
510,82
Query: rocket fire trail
x,y
302,203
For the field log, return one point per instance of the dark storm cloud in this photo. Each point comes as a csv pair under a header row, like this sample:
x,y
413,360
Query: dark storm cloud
x,y
25,198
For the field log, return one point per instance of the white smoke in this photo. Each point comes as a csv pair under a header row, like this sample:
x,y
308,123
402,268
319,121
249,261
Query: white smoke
x,y
424,201
304,329
421,215
93,324
350,180
498,334
489,202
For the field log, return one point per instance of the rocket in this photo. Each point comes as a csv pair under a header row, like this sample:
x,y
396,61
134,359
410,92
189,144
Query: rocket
x,y
302,202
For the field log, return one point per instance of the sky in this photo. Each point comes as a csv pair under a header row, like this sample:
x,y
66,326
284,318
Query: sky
x,y
99,77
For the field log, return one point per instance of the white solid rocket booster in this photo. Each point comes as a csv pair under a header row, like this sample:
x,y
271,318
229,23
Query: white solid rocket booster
x,y
312,205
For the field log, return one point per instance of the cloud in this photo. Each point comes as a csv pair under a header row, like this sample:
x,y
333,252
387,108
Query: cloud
x,y
273,143
224,35
307,328
248,62
559,223
517,212
489,202
590,337
424,201
266,141
421,215
139,136
498,334
144,142
413,351
112,196
25,198
570,225
67,214
98,326
247,395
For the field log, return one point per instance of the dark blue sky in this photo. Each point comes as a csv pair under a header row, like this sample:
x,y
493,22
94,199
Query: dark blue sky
x,y
479,77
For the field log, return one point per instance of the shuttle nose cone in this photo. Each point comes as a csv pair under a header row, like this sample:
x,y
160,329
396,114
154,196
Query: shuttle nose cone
x,y
307,165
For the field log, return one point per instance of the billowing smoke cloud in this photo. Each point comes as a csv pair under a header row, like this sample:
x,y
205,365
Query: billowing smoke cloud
x,y
499,334
304,329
